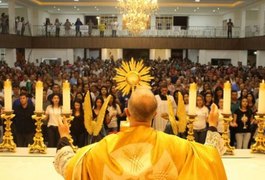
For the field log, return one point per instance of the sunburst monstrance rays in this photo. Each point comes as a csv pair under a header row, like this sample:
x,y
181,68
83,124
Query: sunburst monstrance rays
x,y
132,74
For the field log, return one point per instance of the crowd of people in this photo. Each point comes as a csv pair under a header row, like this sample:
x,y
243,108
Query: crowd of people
x,y
96,76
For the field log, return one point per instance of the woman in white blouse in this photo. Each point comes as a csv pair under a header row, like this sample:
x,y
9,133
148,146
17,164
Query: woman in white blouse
x,y
53,115
199,125
114,111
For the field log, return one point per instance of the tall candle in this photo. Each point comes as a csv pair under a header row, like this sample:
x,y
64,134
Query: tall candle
x,y
8,95
192,99
261,108
39,97
227,98
66,98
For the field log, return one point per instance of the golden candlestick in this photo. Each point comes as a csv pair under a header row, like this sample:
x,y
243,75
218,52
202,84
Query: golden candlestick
x,y
8,142
38,146
191,119
259,146
68,118
227,119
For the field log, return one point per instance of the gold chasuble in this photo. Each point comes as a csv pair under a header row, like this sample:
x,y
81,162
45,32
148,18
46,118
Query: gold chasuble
x,y
143,153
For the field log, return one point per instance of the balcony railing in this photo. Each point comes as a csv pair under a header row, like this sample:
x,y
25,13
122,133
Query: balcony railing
x,y
177,31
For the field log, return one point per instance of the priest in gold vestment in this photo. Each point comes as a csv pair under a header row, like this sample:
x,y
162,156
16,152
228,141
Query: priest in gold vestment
x,y
140,152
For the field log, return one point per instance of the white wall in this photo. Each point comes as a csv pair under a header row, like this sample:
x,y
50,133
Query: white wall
x,y
64,54
252,18
205,56
193,55
10,57
235,16
78,52
205,21
260,58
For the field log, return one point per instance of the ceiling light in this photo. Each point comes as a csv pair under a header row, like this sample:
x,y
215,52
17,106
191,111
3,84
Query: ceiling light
x,y
214,10
54,7
77,9
197,0
74,6
218,8
198,7
194,10
76,0
0,1
58,9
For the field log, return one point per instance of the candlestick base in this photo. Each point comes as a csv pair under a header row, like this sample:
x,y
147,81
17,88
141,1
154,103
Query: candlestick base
x,y
229,149
259,146
191,119
38,146
8,144
68,118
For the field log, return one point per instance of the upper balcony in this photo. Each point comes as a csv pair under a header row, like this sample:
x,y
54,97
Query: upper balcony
x,y
193,37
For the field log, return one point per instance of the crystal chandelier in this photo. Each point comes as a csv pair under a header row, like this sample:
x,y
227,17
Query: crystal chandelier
x,y
136,13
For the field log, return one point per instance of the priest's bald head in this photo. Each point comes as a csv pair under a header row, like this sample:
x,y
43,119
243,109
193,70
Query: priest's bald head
x,y
142,106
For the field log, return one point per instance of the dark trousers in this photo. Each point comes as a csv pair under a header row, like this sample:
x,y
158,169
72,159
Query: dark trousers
x,y
229,34
200,135
57,32
77,31
24,139
53,136
101,33
232,136
79,139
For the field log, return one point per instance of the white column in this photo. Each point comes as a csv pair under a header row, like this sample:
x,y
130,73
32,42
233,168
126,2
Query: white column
x,y
167,53
261,19
10,57
119,54
260,58
11,16
30,16
243,23
119,20
243,57
152,54
153,22
104,53
202,57
70,56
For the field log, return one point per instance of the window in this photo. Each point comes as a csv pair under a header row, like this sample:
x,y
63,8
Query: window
x,y
164,22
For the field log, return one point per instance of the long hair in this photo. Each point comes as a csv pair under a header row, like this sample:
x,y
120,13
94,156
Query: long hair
x,y
114,103
81,107
98,98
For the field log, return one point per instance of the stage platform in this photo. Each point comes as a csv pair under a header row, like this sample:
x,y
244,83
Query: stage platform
x,y
24,166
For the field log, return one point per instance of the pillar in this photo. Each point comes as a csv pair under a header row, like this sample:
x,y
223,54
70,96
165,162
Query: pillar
x,y
119,53
120,23
152,54
10,57
104,53
260,58
11,15
167,54
153,22
243,57
243,23
261,19
30,20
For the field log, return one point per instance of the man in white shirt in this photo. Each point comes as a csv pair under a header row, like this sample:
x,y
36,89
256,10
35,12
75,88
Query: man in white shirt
x,y
160,120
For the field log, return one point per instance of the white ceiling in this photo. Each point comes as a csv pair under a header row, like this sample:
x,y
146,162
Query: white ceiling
x,y
95,7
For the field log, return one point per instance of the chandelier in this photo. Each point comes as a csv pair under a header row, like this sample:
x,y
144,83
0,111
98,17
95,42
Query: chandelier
x,y
136,13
